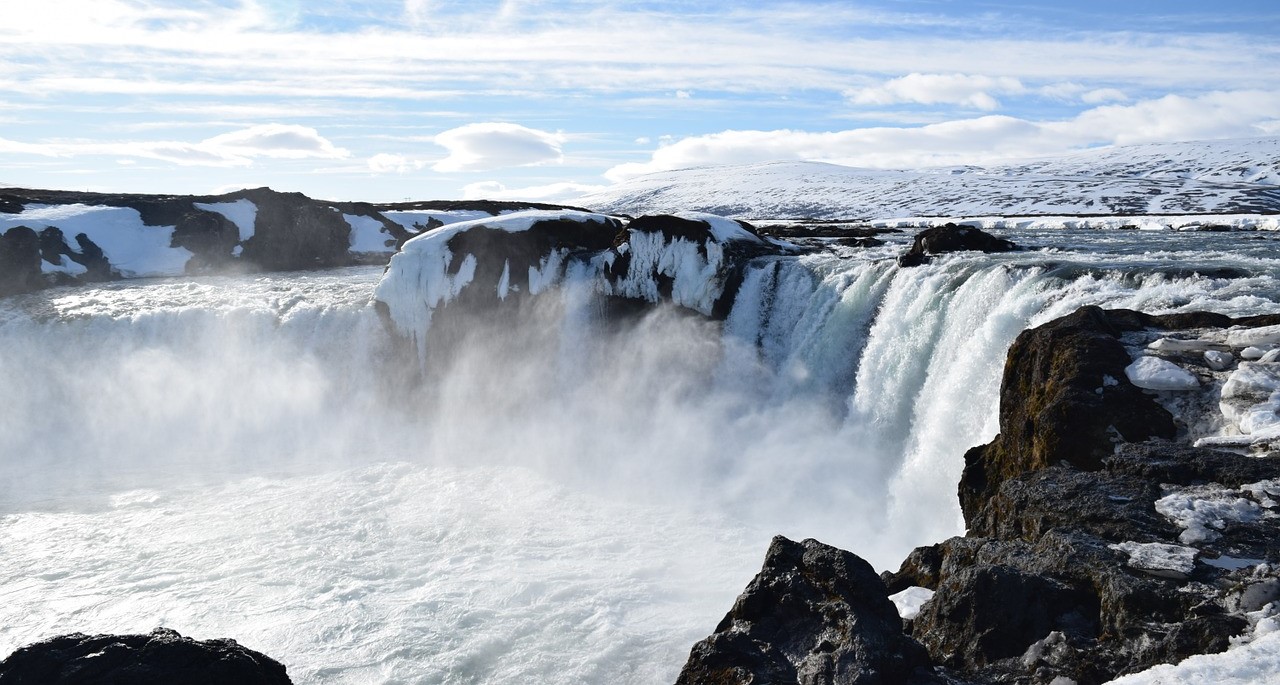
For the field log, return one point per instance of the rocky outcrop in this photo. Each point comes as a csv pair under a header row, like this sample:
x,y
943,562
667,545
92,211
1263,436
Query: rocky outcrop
x,y
161,657
167,235
951,238
19,261
1100,542
814,614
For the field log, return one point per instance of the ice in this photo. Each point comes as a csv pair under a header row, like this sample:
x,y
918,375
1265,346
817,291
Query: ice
x,y
1153,373
1217,360
1252,353
134,249
1202,511
243,213
1254,337
1159,559
1175,345
910,600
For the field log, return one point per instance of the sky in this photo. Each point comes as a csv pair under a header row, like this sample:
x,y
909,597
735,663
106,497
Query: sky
x,y
389,100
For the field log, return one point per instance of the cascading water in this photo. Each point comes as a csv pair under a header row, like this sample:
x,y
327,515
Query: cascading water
x,y
558,497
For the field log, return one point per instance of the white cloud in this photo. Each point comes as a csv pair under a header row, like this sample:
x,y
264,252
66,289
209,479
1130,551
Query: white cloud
x,y
1101,95
967,90
983,139
277,140
235,148
489,146
385,163
684,94
553,192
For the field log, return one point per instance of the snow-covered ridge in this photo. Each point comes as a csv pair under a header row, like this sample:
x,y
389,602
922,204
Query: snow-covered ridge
x,y
684,259
1218,177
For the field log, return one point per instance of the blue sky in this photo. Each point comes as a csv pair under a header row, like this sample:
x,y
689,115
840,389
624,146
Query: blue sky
x,y
395,99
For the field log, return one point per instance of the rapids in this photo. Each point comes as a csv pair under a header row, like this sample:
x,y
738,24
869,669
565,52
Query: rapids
x,y
553,497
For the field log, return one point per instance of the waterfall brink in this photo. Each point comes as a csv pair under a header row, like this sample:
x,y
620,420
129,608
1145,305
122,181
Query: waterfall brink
x,y
532,480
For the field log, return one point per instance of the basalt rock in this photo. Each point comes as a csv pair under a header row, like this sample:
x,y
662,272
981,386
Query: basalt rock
x,y
1064,398
814,614
19,261
951,238
162,657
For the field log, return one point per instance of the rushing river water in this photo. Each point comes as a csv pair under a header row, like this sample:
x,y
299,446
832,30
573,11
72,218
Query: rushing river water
x,y
556,498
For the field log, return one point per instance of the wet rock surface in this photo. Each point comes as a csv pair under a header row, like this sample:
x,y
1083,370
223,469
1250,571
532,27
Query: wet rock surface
x,y
951,238
814,614
1100,542
162,657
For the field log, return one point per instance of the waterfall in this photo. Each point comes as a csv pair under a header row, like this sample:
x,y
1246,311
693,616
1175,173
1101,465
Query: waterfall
x,y
548,474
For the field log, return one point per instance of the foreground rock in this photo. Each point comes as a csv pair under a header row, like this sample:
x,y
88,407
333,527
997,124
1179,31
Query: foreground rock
x,y
1101,542
814,614
951,238
162,657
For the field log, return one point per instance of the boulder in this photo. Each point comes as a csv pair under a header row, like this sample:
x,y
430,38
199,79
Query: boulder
x,y
162,657
951,238
814,614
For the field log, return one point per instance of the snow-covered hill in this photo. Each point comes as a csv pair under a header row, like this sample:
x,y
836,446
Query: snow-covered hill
x,y
1240,176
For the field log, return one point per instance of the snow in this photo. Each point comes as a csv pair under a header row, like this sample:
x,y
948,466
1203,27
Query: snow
x,y
722,229
694,271
368,234
1203,510
1072,191
415,220
910,600
65,266
1153,373
243,213
1251,664
1157,558
134,249
418,280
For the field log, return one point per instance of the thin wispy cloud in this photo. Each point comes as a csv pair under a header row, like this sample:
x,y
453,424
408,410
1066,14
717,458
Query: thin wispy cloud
x,y
575,83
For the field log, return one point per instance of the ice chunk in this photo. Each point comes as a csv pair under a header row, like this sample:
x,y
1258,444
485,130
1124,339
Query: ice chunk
x,y
1154,373
1174,345
1204,510
1254,337
910,600
1252,353
1158,558
1270,356
1217,360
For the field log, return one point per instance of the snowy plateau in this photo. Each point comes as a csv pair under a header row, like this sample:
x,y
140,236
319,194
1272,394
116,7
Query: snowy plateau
x,y
1164,181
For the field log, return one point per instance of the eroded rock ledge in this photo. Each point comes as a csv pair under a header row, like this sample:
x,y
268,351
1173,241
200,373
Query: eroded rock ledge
x,y
1100,541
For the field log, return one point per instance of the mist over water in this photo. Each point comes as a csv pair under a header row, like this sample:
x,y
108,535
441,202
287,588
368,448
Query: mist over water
x,y
555,496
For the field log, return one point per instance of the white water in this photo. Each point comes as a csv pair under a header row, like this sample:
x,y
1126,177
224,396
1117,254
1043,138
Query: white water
x,y
251,457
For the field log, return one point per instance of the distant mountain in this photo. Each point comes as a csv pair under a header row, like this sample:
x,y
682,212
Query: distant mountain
x,y
1238,176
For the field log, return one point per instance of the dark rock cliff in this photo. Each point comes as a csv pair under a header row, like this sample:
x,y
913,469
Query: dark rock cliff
x,y
1079,562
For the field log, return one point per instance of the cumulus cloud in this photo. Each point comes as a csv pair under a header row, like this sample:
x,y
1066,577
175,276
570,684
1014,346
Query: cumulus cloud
x,y
983,139
967,90
235,148
1100,95
385,163
489,146
552,192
